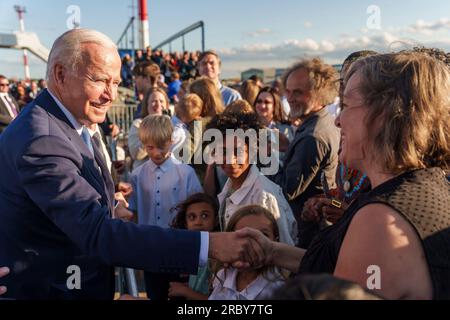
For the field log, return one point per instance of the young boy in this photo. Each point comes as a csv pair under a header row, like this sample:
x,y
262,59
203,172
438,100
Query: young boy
x,y
189,111
159,185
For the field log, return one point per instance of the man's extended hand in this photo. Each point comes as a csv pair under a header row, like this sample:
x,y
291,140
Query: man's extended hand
x,y
121,211
125,188
3,272
264,245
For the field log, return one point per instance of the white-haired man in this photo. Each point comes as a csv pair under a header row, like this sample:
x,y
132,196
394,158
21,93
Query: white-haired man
x,y
56,194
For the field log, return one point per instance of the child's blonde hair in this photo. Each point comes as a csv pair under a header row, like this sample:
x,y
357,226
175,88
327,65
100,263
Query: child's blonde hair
x,y
190,107
156,129
253,210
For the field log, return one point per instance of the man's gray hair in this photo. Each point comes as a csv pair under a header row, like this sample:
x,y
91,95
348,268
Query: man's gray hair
x,y
67,49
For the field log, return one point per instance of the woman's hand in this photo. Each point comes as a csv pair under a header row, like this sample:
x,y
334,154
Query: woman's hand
x,y
178,289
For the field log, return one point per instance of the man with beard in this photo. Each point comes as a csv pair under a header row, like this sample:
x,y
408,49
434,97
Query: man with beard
x,y
310,85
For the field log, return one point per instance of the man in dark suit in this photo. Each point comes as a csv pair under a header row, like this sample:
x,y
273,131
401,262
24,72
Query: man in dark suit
x,y
9,108
56,195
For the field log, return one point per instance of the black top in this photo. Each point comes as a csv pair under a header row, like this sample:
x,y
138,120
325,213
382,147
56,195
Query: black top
x,y
422,197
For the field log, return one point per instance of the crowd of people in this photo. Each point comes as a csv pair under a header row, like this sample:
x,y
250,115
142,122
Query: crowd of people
x,y
361,185
173,65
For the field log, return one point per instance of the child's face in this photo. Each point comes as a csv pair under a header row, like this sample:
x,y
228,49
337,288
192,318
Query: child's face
x,y
258,222
158,154
238,163
200,217
186,119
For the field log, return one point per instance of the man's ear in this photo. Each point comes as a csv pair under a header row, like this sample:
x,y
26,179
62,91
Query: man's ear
x,y
59,73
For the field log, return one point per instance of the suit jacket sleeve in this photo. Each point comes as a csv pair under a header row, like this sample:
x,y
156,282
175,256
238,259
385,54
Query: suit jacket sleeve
x,y
52,173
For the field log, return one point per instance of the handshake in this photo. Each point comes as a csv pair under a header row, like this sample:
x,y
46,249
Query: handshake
x,y
242,249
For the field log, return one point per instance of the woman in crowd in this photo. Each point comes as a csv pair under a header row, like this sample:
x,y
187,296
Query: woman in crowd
x,y
268,107
395,126
155,102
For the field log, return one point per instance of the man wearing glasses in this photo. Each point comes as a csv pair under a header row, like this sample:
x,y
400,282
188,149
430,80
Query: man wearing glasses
x,y
9,109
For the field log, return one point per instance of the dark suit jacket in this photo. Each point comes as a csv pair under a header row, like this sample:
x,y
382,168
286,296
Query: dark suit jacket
x,y
55,212
5,117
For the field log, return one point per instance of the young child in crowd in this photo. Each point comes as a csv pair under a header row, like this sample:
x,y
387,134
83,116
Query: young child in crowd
x,y
189,111
196,213
159,185
251,283
246,185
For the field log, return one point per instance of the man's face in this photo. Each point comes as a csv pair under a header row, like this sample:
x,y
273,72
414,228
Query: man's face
x,y
4,85
142,84
299,94
209,67
89,91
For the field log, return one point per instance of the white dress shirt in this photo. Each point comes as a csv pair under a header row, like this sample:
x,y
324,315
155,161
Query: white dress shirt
x,y
8,102
68,115
102,145
258,189
158,190
224,287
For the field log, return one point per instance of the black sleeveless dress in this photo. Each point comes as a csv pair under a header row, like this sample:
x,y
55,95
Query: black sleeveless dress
x,y
422,197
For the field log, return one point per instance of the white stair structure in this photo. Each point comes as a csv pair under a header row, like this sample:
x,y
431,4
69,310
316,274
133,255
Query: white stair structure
x,y
24,40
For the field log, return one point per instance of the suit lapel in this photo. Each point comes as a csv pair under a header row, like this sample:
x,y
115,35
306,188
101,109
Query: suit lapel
x,y
46,102
4,108
109,185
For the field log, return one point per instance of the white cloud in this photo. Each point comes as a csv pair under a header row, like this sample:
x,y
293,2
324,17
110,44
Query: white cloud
x,y
259,32
308,24
309,47
427,28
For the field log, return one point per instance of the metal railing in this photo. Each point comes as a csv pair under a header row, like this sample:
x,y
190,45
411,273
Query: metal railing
x,y
182,33
122,115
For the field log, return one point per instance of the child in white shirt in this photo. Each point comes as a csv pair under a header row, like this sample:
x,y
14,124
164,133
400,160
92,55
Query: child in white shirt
x,y
249,284
159,185
246,185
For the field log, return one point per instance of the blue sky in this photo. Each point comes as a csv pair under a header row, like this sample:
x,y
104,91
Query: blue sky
x,y
251,33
